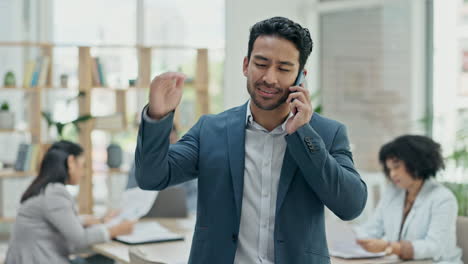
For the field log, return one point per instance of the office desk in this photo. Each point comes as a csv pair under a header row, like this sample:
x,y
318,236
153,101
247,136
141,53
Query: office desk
x,y
177,252
166,252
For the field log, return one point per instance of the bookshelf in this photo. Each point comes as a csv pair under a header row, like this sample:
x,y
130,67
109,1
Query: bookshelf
x,y
13,173
86,85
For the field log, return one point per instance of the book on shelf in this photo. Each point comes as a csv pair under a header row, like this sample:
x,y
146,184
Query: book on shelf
x,y
27,157
97,72
110,122
43,71
36,72
28,73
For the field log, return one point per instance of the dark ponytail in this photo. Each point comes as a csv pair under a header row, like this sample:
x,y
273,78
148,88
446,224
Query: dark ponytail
x,y
54,167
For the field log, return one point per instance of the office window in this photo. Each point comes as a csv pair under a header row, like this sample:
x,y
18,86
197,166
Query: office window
x,y
450,78
95,22
180,22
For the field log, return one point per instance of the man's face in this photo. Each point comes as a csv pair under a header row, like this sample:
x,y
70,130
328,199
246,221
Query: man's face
x,y
271,70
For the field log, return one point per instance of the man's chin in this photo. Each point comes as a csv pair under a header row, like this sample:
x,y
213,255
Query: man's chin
x,y
266,106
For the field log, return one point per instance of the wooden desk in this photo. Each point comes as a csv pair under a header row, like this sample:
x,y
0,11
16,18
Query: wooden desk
x,y
178,251
166,252
384,260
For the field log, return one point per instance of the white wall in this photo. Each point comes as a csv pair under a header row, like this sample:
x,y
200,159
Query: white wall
x,y
240,16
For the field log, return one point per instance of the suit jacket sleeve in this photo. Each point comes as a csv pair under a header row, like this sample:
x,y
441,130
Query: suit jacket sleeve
x,y
159,164
331,174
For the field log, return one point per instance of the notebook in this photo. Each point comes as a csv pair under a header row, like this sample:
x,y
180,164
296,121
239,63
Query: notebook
x,y
149,232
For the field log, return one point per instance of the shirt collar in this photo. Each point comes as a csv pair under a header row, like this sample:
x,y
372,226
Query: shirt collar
x,y
249,120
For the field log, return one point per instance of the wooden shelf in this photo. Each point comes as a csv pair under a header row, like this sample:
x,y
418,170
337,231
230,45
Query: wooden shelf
x,y
112,171
7,220
38,89
92,45
25,44
20,89
13,173
111,130
111,88
14,130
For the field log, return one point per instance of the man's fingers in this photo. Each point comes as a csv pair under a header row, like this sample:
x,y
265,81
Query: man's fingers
x,y
299,96
180,81
300,89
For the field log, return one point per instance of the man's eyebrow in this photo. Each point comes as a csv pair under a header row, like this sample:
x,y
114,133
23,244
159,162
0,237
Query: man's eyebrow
x,y
287,63
259,57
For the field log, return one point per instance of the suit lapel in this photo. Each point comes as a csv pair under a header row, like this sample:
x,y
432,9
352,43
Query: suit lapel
x,y
397,205
288,171
236,150
420,198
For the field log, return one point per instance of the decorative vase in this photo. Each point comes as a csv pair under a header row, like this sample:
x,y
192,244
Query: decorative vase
x,y
64,80
9,80
7,120
132,82
114,156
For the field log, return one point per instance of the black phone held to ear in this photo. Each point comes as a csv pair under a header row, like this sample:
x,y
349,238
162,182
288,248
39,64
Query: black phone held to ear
x,y
299,80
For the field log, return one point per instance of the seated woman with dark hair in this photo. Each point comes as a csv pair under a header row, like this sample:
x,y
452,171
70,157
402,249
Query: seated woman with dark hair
x,y
47,228
416,217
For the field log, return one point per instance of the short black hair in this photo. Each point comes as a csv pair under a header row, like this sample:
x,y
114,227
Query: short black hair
x,y
421,155
287,29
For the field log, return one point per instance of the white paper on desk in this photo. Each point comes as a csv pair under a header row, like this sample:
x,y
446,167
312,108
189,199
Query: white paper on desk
x,y
135,204
342,242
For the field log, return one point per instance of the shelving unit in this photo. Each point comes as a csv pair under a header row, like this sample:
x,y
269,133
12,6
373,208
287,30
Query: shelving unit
x,y
85,84
12,173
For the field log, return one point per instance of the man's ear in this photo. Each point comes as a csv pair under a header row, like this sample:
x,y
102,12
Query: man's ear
x,y
70,161
245,66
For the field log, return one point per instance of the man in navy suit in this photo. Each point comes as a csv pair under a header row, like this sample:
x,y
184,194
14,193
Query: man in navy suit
x,y
265,169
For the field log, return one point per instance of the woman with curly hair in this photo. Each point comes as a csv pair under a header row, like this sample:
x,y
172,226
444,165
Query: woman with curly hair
x,y
416,217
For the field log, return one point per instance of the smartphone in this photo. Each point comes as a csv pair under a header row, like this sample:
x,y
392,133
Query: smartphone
x,y
299,79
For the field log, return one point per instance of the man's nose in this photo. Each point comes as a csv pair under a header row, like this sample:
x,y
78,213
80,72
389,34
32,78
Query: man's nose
x,y
270,77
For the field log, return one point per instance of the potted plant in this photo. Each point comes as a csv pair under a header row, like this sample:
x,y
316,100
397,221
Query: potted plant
x,y
460,157
9,80
61,125
7,118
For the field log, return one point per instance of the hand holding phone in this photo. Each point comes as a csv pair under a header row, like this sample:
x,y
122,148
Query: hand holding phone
x,y
299,80
300,108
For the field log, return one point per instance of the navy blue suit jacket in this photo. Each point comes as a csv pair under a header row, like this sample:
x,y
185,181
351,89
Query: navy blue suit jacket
x,y
317,171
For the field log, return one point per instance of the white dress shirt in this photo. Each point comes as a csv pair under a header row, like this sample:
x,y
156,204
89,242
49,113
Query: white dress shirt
x,y
264,153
